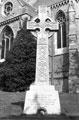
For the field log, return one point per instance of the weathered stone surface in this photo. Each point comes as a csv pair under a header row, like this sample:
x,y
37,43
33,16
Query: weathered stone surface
x,y
42,97
73,64
60,66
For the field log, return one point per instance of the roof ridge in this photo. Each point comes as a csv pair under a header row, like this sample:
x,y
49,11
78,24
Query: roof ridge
x,y
19,2
30,5
62,2
50,3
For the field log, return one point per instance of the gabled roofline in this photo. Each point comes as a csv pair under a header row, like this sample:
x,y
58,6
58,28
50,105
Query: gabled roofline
x,y
59,4
22,3
16,18
53,3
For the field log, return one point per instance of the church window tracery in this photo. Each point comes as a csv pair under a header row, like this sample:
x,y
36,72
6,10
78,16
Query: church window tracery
x,y
7,41
60,36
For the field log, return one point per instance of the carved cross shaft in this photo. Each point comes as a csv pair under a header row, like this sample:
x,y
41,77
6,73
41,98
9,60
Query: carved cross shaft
x,y
42,23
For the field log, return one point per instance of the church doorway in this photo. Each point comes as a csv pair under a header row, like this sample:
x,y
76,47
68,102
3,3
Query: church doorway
x,y
7,40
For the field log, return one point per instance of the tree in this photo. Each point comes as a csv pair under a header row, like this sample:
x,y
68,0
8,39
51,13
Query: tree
x,y
18,71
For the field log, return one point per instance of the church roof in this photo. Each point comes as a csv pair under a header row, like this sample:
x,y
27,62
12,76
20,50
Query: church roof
x,y
41,2
31,9
22,2
47,2
34,6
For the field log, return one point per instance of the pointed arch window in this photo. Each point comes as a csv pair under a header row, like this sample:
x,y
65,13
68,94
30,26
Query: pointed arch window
x,y
7,41
60,36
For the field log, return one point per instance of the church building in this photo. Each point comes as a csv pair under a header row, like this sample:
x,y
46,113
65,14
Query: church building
x,y
63,44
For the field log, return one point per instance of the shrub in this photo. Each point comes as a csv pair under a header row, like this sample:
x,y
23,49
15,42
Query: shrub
x,y
18,71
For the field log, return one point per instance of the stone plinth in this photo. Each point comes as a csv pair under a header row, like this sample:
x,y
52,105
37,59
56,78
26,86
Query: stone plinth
x,y
42,97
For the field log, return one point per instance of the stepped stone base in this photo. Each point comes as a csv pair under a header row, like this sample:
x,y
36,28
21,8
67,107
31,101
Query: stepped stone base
x,y
43,97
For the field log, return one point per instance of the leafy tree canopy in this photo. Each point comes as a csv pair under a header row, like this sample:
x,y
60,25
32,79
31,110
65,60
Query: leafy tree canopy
x,y
18,71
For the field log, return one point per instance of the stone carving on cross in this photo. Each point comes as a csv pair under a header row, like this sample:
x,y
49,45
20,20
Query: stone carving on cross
x,y
42,23
42,27
42,96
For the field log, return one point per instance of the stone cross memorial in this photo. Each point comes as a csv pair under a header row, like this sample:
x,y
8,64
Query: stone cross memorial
x,y
42,95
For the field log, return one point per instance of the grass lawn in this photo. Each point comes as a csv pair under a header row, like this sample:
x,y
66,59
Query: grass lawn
x,y
11,107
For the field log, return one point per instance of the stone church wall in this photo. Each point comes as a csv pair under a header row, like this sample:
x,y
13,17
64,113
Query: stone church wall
x,y
17,10
73,46
61,61
66,66
15,27
60,72
60,66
